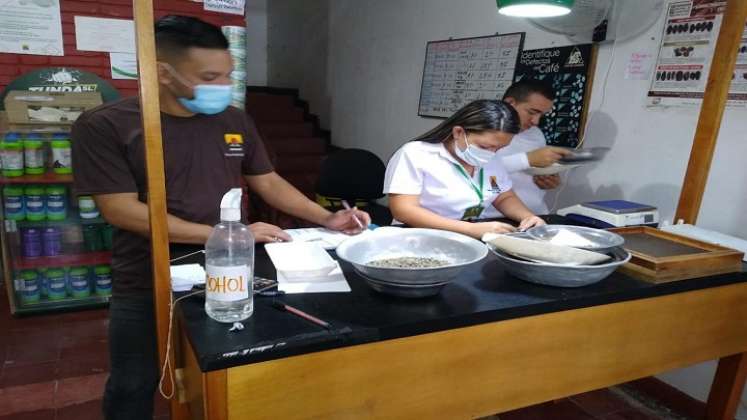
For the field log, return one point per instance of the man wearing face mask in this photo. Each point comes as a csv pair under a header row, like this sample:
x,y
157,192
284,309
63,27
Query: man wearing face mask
x,y
532,99
209,148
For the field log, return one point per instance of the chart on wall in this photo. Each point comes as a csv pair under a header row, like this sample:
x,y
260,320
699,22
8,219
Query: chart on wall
x,y
685,53
567,70
458,71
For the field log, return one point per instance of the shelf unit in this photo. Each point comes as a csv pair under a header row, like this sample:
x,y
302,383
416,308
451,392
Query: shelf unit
x,y
14,263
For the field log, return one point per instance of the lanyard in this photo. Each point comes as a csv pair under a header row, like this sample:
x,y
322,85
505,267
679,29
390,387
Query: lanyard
x,y
471,183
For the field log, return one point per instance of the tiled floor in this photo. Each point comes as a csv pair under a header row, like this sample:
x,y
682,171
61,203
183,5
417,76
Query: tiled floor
x,y
54,367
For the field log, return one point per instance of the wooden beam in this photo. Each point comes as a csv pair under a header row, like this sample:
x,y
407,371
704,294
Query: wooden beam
x,y
728,384
159,235
712,111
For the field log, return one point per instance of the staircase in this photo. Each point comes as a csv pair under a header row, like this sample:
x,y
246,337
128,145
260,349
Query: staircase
x,y
295,142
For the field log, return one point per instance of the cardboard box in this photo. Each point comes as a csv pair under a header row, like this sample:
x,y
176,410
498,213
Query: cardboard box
x,y
46,108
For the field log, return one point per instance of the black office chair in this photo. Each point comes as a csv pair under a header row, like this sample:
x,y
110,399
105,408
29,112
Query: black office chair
x,y
357,176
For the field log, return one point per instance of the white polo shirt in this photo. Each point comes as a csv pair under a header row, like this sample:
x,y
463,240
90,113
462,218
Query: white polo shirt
x,y
427,170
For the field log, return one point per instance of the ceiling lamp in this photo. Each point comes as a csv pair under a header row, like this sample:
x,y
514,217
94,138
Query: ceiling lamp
x,y
534,8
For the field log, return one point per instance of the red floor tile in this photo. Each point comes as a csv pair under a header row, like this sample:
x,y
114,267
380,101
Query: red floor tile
x,y
86,411
561,410
13,375
82,365
31,415
600,402
83,348
27,398
80,389
28,355
82,330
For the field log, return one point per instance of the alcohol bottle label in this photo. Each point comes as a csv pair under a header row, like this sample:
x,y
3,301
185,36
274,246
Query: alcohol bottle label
x,y
227,284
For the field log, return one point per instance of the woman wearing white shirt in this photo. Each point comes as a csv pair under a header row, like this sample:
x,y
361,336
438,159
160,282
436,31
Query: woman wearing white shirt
x,y
445,178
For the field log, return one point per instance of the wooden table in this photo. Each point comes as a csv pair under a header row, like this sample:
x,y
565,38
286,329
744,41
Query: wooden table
x,y
490,344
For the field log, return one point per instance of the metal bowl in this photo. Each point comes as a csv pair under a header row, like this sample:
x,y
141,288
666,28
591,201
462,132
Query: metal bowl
x,y
561,275
601,240
388,242
405,290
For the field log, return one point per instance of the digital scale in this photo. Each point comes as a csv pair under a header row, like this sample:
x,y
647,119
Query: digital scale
x,y
612,213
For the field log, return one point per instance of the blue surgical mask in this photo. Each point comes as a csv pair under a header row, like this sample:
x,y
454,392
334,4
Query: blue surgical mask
x,y
207,99
473,155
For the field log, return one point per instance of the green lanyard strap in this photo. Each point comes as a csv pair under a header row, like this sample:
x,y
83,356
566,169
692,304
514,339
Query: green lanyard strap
x,y
466,176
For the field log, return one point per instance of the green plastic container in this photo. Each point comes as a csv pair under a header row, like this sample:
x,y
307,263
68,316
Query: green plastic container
x,y
36,208
56,202
103,280
107,233
33,153
87,207
12,155
56,284
62,162
30,291
14,203
80,286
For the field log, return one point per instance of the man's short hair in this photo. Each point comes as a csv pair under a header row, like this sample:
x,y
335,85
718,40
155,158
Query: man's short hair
x,y
175,34
522,89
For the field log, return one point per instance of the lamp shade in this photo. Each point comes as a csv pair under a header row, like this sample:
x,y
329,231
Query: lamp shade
x,y
534,8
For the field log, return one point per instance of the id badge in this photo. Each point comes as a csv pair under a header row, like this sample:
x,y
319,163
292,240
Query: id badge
x,y
473,212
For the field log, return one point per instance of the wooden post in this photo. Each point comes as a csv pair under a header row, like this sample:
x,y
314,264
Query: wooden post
x,y
159,235
712,111
728,384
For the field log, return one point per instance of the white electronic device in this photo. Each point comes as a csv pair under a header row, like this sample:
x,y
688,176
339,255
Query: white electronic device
x,y
612,213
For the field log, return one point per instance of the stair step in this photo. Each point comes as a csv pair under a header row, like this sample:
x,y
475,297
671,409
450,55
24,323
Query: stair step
x,y
254,100
275,114
304,182
276,130
290,164
297,146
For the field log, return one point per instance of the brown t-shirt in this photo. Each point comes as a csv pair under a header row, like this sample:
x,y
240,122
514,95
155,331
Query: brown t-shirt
x,y
204,157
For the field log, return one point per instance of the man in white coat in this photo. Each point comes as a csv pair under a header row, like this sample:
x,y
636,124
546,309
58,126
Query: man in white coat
x,y
532,99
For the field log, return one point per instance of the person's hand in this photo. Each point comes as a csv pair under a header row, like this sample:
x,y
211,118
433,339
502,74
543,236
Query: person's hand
x,y
530,222
478,229
265,232
546,156
345,221
547,182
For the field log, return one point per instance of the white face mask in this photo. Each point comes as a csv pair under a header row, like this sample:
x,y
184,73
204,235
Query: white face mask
x,y
474,155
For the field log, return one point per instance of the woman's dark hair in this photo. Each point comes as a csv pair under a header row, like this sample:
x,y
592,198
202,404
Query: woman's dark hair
x,y
476,116
174,34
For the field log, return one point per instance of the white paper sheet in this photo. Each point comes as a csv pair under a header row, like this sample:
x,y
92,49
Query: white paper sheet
x,y
329,239
107,35
124,66
333,282
31,27
234,7
184,276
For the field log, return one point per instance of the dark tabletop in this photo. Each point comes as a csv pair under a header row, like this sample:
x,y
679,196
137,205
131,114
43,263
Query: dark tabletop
x,y
482,293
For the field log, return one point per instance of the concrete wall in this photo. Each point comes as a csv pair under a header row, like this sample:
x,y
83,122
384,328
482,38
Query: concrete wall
x,y
256,43
297,36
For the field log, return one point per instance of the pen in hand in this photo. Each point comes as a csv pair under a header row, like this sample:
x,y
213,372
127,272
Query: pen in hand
x,y
347,207
283,307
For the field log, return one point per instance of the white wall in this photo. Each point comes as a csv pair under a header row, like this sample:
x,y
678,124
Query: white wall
x,y
297,50
256,43
376,53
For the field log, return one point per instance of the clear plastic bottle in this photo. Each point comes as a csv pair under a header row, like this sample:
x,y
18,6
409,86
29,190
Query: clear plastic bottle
x,y
229,262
